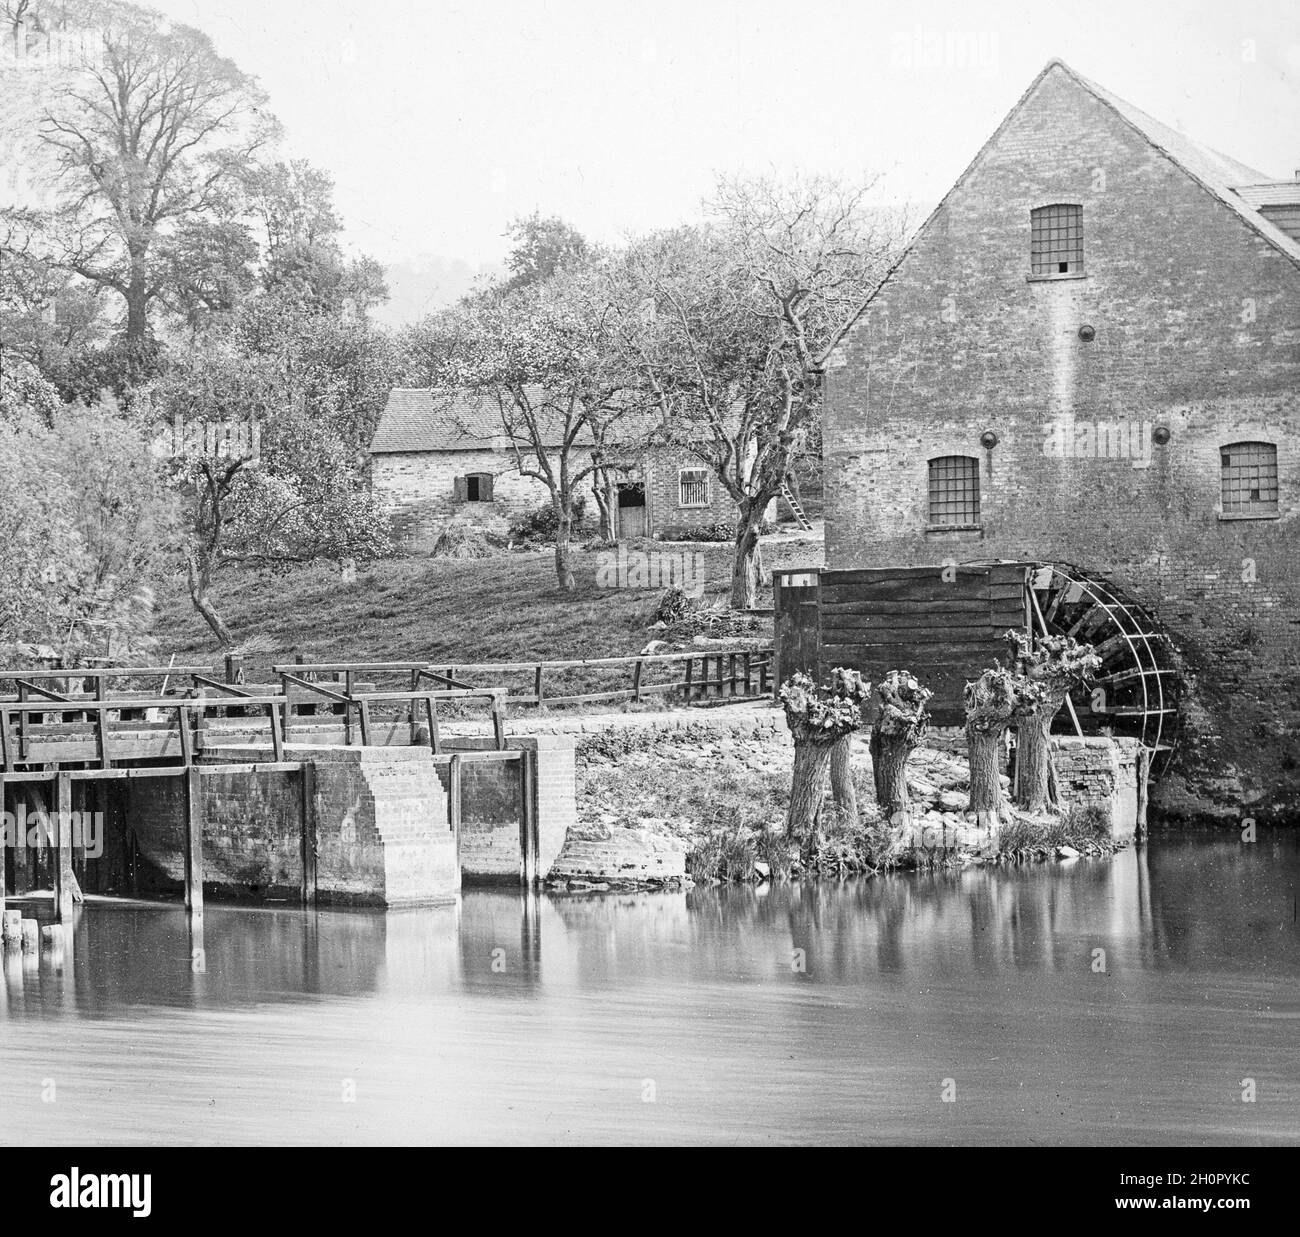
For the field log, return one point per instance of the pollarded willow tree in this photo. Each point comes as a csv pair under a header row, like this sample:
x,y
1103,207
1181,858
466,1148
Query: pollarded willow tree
x,y
1056,664
732,325
819,717
997,699
899,726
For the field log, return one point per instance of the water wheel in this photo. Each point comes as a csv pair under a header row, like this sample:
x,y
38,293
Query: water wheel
x,y
1137,690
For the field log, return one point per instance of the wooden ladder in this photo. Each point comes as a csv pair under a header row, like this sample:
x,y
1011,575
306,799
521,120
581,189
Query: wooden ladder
x,y
795,506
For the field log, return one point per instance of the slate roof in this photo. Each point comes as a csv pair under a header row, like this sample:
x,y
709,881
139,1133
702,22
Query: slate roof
x,y
1218,173
1272,193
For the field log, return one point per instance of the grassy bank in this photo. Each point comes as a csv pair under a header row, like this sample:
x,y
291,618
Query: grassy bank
x,y
506,608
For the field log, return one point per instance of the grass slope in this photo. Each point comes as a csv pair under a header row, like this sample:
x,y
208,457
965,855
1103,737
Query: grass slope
x,y
507,608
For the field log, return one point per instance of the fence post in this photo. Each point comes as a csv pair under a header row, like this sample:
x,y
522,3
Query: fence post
x,y
277,733
537,684
498,722
690,662
636,680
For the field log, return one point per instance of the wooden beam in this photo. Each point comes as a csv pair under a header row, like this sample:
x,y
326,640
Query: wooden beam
x,y
193,840
308,783
62,857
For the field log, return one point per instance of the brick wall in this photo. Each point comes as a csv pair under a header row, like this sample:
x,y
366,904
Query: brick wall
x,y
420,488
382,836
666,515
1197,328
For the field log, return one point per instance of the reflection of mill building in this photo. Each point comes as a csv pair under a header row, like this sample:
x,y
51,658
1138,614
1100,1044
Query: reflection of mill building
x,y
1090,355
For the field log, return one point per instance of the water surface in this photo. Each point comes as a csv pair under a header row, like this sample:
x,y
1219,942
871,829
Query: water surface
x,y
685,1017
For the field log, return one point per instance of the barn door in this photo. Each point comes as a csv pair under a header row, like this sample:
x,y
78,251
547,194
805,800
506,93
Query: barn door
x,y
631,511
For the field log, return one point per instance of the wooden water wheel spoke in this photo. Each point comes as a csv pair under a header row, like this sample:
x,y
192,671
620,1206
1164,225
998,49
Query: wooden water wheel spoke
x,y
1138,676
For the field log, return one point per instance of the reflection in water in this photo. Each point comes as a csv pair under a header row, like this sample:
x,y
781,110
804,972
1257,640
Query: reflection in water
x,y
1111,1002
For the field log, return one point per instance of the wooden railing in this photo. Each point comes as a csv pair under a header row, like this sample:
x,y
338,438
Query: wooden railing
x,y
722,675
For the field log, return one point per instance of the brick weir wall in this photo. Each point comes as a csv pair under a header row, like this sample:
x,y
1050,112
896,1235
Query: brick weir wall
x,y
383,831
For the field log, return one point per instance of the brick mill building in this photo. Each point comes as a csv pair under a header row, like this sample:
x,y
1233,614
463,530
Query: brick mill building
x,y
439,455
1089,356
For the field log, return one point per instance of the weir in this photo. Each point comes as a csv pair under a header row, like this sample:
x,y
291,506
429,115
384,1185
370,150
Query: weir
x,y
293,791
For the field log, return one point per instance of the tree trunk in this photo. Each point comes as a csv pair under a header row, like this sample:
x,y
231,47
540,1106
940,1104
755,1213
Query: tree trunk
x,y
842,788
744,566
889,756
563,565
812,757
985,787
1033,790
137,295
199,581
605,498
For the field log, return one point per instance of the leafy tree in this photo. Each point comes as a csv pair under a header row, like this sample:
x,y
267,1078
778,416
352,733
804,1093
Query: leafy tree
x,y
542,353
733,325
542,246
145,143
281,488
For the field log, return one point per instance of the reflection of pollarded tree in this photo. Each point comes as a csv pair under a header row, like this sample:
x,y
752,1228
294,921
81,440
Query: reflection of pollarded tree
x,y
993,702
1056,664
818,717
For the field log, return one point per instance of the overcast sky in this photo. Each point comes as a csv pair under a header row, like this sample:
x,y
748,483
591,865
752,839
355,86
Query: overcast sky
x,y
442,121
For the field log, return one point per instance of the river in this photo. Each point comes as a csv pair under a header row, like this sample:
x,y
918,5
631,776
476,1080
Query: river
x,y
689,1017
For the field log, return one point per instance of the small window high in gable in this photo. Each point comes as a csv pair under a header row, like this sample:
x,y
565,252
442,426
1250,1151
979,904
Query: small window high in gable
x,y
476,487
1248,477
1056,240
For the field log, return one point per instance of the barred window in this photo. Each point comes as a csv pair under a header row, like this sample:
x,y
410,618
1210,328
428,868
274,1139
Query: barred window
x,y
1056,240
1249,478
693,487
955,490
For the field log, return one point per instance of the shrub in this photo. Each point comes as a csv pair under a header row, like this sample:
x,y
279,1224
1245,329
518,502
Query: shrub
x,y
701,532
539,524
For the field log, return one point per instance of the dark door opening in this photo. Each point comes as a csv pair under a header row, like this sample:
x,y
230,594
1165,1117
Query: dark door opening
x,y
631,510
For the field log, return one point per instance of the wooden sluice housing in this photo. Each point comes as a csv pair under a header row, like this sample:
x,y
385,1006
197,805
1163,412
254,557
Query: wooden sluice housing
x,y
332,790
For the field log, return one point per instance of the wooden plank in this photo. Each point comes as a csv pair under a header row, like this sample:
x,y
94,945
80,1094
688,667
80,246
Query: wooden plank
x,y
62,858
453,801
529,842
940,605
277,730
193,840
907,636
879,577
309,880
